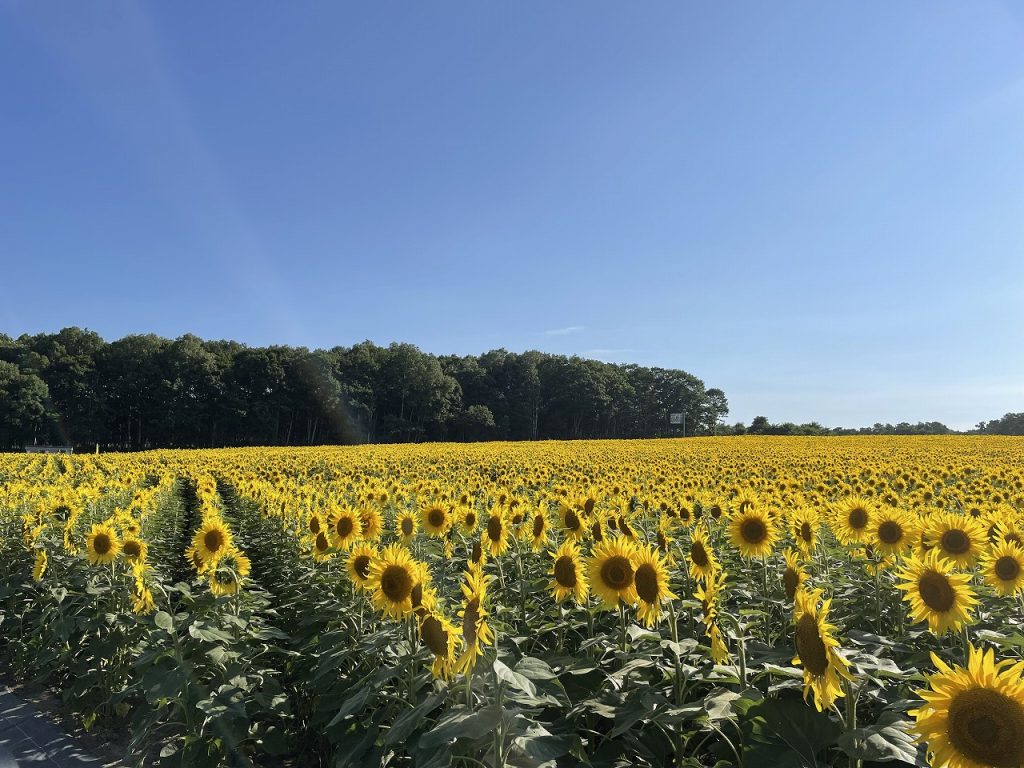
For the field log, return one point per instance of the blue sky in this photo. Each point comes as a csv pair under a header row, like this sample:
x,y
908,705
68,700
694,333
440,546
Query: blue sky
x,y
818,207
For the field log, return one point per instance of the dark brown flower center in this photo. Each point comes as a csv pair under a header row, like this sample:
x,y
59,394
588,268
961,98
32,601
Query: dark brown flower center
x,y
806,533
936,591
494,528
987,727
407,526
588,505
435,517
478,552
810,647
890,532
314,524
213,540
647,583
321,542
955,541
361,565
617,572
101,543
132,549
565,572
344,526
753,531
396,583
857,518
1007,568
469,619
434,636
572,520
538,526
699,555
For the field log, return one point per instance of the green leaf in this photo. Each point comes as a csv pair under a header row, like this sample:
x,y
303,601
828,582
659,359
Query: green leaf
x,y
409,720
887,740
163,620
461,724
514,679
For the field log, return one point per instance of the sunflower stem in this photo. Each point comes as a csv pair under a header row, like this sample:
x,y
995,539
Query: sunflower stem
x,y
622,624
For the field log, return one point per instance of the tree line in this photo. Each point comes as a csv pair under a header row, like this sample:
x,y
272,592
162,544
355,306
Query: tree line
x,y
144,391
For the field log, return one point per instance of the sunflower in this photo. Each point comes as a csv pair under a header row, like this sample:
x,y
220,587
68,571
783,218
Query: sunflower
x,y
719,650
405,527
134,550
392,578
468,519
804,522
314,523
143,604
753,533
371,523
973,717
346,528
816,649
569,579
495,536
1003,568
441,637
744,502
701,558
358,564
852,520
794,576
320,548
892,532
436,520
101,545
477,556
539,529
959,538
710,592
230,571
475,630
39,566
613,572
423,597
651,580
936,594
573,522
212,540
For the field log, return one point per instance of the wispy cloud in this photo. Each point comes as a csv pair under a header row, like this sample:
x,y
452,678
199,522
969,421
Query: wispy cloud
x,y
564,331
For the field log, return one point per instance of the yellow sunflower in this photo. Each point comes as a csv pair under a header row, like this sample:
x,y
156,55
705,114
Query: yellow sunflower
x,y
476,633
701,558
346,528
477,556
496,535
892,532
371,523
134,550
441,637
1003,567
435,520
804,522
358,564
468,519
573,521
39,566
973,717
229,572
710,592
320,547
651,580
539,529
101,544
753,533
936,594
959,538
816,649
794,576
613,572
212,540
392,578
569,579
719,650
405,527
853,520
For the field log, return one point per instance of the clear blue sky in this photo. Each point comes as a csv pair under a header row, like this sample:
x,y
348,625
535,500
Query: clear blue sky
x,y
818,207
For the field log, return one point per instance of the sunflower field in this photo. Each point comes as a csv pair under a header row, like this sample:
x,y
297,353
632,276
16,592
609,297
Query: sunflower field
x,y
704,602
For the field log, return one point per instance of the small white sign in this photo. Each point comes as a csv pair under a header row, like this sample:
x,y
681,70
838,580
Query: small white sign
x,y
675,418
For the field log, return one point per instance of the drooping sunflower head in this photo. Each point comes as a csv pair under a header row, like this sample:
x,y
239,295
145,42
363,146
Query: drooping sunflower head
x,y
475,631
958,538
441,637
320,547
134,550
1003,567
753,533
101,544
613,572
936,593
973,717
568,576
227,574
651,580
816,649
358,564
212,540
794,574
701,558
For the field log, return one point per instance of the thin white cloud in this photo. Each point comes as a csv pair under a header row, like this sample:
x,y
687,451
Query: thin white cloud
x,y
564,331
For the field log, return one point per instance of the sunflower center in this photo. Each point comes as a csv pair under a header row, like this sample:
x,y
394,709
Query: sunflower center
x,y
101,543
321,542
494,529
857,518
746,506
434,636
1013,538
790,580
806,533
417,595
361,565
955,541
572,520
936,591
647,583
588,505
396,583
565,572
478,552
213,540
699,555
890,532
716,511
436,518
595,531
538,526
753,531
343,526
314,525
617,572
1007,568
810,647
470,519
469,619
406,526
132,549
987,727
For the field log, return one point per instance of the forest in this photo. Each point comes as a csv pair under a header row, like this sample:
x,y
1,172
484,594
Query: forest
x,y
144,391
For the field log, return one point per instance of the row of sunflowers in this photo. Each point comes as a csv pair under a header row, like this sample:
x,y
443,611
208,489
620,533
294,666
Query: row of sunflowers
x,y
750,601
